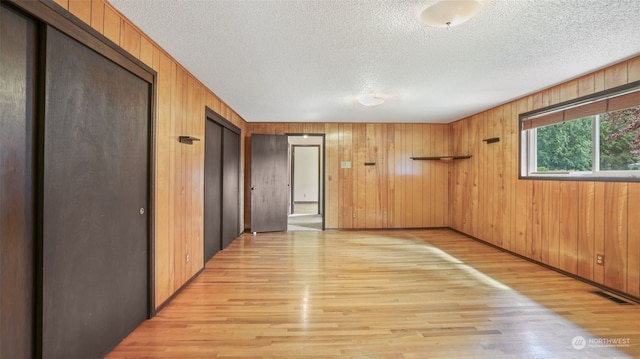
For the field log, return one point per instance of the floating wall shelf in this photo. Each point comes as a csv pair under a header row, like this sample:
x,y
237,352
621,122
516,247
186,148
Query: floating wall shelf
x,y
435,158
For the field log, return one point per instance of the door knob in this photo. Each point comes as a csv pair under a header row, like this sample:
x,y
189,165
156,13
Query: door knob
x,y
253,188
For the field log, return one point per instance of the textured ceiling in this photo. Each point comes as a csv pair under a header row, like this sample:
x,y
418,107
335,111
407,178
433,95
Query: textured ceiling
x,y
307,61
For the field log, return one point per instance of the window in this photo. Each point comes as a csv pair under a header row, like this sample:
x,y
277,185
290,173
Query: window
x,y
595,137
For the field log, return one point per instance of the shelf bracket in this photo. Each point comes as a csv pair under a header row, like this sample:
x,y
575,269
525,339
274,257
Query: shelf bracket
x,y
492,140
187,139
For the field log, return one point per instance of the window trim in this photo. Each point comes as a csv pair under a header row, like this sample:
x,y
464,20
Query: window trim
x,y
527,140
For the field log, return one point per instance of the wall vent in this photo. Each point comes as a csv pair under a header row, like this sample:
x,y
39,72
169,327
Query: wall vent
x,y
610,297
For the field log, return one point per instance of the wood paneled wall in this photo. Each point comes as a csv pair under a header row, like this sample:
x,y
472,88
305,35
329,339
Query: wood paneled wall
x,y
395,193
561,223
179,168
564,224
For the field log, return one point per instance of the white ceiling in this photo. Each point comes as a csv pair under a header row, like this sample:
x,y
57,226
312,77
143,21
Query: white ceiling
x,y
307,60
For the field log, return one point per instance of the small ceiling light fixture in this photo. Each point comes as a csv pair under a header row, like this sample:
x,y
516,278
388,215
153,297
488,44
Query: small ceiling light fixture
x,y
447,13
370,100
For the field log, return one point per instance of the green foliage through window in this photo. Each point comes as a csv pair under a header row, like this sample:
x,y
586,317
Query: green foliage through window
x,y
565,146
568,146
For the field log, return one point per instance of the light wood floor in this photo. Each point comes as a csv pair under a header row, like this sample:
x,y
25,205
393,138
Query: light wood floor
x,y
382,294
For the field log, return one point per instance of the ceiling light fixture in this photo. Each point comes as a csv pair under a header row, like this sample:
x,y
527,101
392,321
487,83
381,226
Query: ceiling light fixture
x,y
370,100
447,13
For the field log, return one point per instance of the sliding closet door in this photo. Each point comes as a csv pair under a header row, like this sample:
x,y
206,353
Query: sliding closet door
x,y
95,188
17,58
222,183
212,189
231,186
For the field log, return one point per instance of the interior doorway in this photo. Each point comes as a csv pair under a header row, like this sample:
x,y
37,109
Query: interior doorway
x,y
306,173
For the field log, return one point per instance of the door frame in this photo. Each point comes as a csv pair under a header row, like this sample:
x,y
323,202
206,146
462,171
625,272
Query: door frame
x,y
323,170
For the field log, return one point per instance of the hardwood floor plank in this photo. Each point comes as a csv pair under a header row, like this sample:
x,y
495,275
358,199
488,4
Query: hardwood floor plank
x,y
382,294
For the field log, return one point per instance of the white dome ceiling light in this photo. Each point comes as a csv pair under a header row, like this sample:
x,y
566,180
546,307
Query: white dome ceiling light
x,y
447,13
370,100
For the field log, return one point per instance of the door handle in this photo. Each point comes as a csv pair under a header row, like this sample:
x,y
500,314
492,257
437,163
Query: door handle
x,y
253,188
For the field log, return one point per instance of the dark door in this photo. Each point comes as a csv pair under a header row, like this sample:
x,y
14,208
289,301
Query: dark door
x,y
269,183
95,188
17,297
222,183
230,186
212,189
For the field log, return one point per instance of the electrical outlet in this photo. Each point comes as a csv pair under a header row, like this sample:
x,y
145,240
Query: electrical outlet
x,y
188,258
600,259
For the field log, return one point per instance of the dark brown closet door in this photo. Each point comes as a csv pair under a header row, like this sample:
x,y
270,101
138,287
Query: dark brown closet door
x,y
230,186
17,58
212,189
95,188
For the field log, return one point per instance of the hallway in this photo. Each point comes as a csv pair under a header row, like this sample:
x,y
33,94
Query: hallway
x,y
305,218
